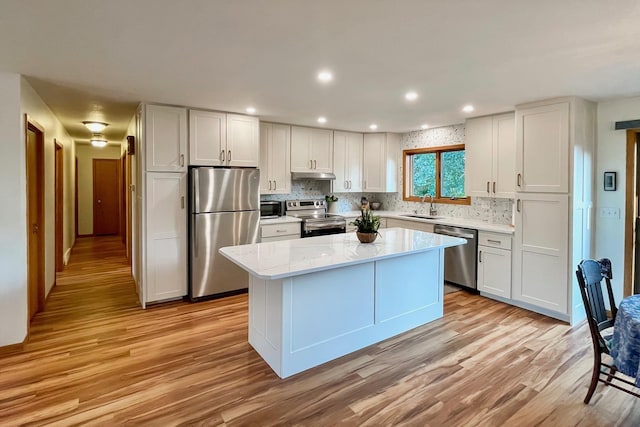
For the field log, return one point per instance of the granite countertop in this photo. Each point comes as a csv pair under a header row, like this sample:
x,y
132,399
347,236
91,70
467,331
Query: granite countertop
x,y
458,222
286,258
279,220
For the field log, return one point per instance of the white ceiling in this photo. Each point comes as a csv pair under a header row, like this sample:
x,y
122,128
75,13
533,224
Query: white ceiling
x,y
96,57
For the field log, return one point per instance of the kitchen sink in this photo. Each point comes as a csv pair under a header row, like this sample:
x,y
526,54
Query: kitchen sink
x,y
424,216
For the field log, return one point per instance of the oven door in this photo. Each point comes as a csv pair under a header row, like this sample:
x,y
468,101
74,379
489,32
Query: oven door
x,y
323,228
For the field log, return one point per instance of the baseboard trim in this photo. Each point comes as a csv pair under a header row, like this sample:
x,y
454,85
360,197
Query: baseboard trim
x,y
86,235
12,348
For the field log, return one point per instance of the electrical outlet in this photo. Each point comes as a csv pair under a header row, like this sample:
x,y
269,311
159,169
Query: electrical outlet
x,y
612,213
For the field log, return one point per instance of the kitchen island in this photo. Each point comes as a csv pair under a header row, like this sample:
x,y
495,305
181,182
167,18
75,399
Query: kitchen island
x,y
316,299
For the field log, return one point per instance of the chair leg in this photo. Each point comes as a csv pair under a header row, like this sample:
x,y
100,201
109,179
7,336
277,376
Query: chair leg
x,y
612,372
594,377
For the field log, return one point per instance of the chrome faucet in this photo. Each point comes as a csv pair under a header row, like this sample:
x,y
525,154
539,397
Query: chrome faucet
x,y
432,209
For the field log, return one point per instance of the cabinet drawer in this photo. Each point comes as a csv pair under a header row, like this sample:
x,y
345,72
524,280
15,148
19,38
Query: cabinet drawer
x,y
271,230
494,240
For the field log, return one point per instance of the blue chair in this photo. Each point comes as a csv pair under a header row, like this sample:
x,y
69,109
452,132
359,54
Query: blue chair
x,y
590,274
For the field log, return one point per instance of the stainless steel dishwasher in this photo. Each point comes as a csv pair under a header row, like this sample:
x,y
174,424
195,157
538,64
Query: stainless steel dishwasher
x,y
460,262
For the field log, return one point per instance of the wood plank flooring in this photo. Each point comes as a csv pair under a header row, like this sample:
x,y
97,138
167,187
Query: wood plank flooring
x,y
95,358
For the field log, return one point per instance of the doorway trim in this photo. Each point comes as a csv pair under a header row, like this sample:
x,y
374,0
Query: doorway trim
x,y
629,218
59,204
38,199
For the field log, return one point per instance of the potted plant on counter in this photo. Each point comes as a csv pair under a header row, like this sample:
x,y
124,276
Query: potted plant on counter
x,y
332,203
367,226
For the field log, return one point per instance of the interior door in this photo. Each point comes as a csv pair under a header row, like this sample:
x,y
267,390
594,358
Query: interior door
x,y
106,209
35,230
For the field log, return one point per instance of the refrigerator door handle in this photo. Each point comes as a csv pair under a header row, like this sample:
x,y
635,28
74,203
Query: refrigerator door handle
x,y
196,190
194,237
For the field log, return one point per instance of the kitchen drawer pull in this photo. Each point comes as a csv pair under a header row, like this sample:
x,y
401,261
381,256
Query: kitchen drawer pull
x,y
280,231
498,242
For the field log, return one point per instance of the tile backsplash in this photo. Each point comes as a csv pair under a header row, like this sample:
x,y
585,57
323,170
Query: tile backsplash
x,y
496,211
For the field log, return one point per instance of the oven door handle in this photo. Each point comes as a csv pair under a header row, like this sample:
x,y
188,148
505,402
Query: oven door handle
x,y
324,226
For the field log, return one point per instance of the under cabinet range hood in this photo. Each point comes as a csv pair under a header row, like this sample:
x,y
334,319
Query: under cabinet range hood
x,y
313,175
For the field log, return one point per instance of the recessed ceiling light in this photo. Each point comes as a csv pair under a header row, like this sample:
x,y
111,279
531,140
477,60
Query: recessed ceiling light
x,y
373,126
425,126
95,127
322,120
468,108
410,96
251,110
325,76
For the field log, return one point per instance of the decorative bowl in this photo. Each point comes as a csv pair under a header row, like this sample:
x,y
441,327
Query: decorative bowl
x,y
366,237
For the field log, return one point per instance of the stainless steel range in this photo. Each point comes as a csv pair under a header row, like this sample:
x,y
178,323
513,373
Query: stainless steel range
x,y
315,219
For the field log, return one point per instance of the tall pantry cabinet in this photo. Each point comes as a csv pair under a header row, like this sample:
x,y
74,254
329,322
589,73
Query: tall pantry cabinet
x,y
554,196
161,215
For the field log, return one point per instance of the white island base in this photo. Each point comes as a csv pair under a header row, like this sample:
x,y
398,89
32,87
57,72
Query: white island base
x,y
327,306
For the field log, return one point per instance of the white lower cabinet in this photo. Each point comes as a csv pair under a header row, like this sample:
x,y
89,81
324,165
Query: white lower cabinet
x,y
282,231
166,236
494,264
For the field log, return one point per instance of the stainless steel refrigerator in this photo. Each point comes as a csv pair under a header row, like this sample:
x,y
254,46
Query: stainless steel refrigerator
x,y
225,211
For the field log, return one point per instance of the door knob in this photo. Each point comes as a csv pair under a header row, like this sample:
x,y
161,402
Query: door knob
x,y
99,201
35,228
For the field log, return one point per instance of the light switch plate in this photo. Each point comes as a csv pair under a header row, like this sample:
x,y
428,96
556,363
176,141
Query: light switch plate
x,y
613,213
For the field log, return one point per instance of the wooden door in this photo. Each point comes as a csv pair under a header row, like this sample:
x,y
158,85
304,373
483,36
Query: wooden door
x,y
35,215
123,198
59,205
106,209
207,138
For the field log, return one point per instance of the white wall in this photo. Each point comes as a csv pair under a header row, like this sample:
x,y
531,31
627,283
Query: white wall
x,y
86,153
611,156
34,106
13,219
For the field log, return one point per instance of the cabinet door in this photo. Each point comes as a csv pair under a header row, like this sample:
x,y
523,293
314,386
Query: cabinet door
x,y
540,255
504,156
280,160
542,148
166,236
494,271
300,149
353,167
374,172
166,138
340,167
478,157
266,135
243,141
207,138
322,150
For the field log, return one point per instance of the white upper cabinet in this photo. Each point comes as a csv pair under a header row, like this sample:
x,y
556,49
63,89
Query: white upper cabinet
x,y
347,161
221,139
311,149
243,141
490,156
275,160
542,148
380,162
207,137
165,138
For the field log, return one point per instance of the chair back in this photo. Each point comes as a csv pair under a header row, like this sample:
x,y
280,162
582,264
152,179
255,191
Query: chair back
x,y
590,274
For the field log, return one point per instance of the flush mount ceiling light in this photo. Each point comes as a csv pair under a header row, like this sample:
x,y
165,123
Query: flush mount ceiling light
x,y
98,140
424,126
373,126
95,127
468,108
325,76
251,110
322,120
411,96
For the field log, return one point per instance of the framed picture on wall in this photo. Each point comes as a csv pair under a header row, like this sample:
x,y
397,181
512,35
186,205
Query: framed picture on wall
x,y
131,145
609,181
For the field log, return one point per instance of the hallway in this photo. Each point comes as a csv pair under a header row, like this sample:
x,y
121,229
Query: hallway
x,y
95,357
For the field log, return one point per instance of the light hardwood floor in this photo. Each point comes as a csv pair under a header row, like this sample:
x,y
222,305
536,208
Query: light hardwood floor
x,y
95,358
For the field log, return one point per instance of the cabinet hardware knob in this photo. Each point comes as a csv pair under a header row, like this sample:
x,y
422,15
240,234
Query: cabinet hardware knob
x,y
229,156
269,184
222,156
518,205
275,185
182,202
181,159
488,187
310,164
518,180
494,187
480,256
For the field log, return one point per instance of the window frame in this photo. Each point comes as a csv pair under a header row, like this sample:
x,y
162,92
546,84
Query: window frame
x,y
408,169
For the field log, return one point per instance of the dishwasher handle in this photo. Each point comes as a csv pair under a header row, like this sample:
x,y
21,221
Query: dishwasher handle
x,y
453,234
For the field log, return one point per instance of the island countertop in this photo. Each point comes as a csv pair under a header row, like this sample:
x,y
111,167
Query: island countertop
x,y
277,260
